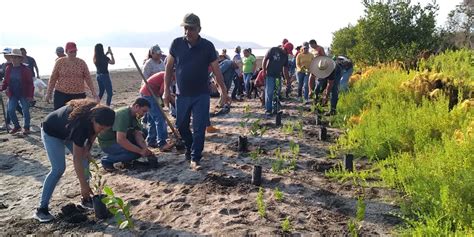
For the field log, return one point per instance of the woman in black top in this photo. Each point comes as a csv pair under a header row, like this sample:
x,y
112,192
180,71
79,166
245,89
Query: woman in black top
x,y
75,126
102,62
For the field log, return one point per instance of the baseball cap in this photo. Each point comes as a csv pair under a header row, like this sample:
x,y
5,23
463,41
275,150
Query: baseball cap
x,y
156,49
7,51
288,48
191,19
59,49
71,46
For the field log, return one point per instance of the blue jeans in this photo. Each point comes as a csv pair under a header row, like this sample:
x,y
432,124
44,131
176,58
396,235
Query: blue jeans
x,y
198,106
116,153
25,107
157,124
270,84
334,93
346,74
247,78
303,84
105,84
56,152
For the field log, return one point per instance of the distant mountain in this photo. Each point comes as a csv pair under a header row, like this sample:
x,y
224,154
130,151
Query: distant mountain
x,y
121,39
164,39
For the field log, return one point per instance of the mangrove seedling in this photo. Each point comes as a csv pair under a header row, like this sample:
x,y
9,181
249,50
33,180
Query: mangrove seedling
x,y
118,208
278,194
286,225
261,206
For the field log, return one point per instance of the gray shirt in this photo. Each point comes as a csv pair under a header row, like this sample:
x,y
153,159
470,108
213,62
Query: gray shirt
x,y
151,67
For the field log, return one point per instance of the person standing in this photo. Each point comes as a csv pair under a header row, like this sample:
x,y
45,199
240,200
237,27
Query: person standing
x,y
238,74
102,62
30,62
316,50
274,63
60,52
69,75
154,63
303,61
74,126
192,55
19,82
249,66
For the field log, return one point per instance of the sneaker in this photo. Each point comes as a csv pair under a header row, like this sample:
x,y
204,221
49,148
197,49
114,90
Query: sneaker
x,y
15,130
268,115
195,165
43,215
167,147
26,131
86,203
108,167
212,129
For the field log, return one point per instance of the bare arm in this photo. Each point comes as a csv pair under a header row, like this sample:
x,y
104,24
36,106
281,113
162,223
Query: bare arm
x,y
53,79
79,155
125,143
87,78
168,74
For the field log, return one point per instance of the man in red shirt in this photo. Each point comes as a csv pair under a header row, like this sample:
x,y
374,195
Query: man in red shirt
x,y
157,129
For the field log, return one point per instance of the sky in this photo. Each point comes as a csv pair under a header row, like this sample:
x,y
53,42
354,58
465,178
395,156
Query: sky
x,y
263,22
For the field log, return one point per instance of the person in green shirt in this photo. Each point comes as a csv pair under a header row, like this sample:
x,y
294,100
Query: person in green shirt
x,y
124,142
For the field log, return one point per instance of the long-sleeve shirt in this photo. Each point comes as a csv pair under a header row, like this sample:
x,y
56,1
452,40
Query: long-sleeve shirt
x,y
69,76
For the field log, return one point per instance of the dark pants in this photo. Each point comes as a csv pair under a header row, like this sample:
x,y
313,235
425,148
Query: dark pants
x,y
60,98
105,84
198,106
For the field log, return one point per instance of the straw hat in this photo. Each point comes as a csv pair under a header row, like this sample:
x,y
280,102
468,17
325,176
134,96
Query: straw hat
x,y
15,52
322,66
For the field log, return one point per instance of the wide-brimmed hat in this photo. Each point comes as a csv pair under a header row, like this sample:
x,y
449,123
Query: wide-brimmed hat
x,y
322,66
16,53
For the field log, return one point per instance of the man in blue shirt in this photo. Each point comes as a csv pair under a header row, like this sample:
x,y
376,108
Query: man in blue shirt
x,y
192,56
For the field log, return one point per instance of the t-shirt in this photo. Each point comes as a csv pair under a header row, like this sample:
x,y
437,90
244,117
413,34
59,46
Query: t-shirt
x,y
248,63
277,59
102,64
15,81
303,61
57,125
336,73
123,123
156,82
31,63
151,67
191,65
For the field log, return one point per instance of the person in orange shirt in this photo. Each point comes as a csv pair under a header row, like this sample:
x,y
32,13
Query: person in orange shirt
x,y
68,77
157,129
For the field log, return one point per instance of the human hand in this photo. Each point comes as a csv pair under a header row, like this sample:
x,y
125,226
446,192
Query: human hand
x,y
86,191
146,152
47,99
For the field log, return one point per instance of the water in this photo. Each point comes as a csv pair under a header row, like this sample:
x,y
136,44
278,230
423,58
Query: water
x,y
45,57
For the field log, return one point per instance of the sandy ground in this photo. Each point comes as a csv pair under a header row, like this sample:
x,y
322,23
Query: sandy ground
x,y
218,200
